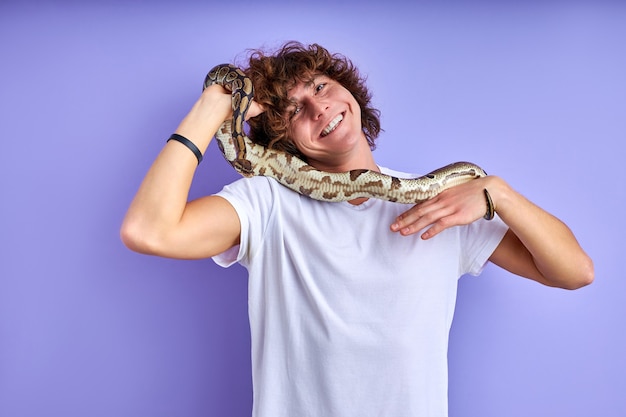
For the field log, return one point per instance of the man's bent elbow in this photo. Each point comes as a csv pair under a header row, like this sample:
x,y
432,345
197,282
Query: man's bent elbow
x,y
584,275
588,273
138,240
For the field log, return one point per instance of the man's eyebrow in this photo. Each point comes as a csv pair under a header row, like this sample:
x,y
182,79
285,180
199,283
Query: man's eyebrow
x,y
310,83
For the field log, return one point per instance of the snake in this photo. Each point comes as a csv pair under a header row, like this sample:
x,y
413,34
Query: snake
x,y
251,159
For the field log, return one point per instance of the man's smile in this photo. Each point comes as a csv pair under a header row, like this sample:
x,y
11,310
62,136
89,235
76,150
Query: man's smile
x,y
332,125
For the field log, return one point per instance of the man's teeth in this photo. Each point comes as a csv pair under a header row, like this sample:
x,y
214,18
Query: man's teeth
x,y
332,125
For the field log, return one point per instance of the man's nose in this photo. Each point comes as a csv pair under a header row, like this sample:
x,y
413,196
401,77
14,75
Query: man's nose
x,y
318,107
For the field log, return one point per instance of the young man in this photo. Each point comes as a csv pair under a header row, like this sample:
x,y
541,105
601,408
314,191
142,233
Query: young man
x,y
350,303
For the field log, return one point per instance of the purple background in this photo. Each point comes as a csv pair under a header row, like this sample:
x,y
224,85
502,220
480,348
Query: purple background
x,y
535,93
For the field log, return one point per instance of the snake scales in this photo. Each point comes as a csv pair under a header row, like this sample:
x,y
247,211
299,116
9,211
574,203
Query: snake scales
x,y
250,159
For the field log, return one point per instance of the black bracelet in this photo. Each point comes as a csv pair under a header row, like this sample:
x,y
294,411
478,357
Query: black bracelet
x,y
491,210
189,144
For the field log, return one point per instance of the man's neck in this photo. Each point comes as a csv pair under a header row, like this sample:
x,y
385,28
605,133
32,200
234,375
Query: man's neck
x,y
360,158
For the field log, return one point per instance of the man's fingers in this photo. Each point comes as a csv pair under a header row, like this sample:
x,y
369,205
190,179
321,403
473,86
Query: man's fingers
x,y
419,217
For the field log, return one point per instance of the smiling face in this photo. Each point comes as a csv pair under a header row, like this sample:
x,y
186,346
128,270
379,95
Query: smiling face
x,y
296,81
324,122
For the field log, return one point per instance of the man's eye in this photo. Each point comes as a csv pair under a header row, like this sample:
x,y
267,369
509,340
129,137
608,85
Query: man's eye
x,y
295,111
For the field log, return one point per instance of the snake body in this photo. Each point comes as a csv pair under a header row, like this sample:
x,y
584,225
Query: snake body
x,y
251,159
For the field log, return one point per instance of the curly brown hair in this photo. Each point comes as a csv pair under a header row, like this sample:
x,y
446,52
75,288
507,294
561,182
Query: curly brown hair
x,y
274,74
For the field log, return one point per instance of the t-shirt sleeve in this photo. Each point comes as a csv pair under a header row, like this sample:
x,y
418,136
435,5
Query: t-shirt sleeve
x,y
478,241
252,200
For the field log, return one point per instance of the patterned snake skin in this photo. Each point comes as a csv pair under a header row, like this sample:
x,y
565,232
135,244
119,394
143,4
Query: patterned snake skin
x,y
250,159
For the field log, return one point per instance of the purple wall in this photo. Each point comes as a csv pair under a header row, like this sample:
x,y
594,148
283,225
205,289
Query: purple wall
x,y
89,93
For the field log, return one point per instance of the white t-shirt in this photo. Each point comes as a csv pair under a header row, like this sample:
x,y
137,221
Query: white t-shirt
x,y
347,318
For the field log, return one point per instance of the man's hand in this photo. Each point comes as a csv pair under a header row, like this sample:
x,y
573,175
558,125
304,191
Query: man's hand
x,y
254,110
459,205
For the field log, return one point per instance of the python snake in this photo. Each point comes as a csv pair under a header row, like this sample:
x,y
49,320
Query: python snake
x,y
250,159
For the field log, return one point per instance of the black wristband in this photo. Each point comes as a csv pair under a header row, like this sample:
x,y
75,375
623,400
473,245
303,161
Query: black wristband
x,y
491,210
189,144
